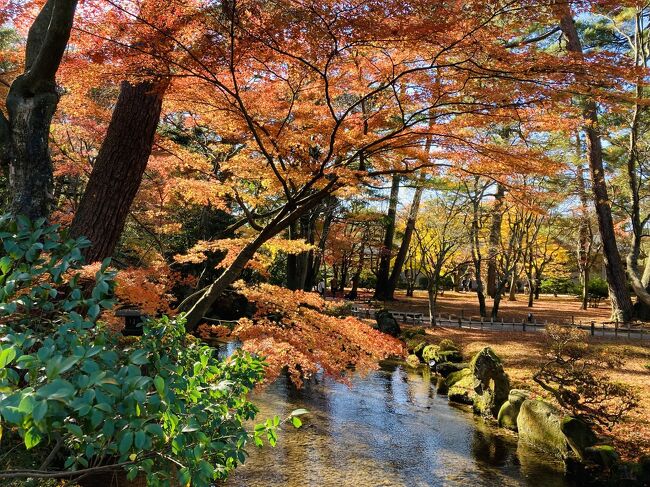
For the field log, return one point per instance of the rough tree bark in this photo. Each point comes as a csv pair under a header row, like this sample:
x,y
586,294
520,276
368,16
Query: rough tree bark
x,y
30,104
494,240
119,167
383,273
620,298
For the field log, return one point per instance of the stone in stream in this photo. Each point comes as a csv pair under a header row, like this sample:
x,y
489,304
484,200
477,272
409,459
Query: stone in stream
x,y
460,386
544,426
579,435
491,383
507,417
386,323
446,368
539,424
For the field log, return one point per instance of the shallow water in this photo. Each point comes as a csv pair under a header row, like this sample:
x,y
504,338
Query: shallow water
x,y
389,429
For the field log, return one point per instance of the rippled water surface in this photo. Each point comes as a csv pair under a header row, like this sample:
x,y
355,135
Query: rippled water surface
x,y
388,429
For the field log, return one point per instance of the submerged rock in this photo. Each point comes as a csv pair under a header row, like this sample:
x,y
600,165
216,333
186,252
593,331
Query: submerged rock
x,y
386,323
492,383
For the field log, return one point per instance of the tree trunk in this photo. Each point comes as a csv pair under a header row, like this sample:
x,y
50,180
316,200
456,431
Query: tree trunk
x,y
119,167
495,240
431,296
618,292
513,288
317,255
31,103
381,290
400,258
293,266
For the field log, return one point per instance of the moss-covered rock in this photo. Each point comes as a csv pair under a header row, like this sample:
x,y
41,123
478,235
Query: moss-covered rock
x,y
446,345
409,333
517,396
413,361
453,356
416,346
602,455
492,383
463,390
538,424
456,376
433,354
446,368
507,417
430,353
578,434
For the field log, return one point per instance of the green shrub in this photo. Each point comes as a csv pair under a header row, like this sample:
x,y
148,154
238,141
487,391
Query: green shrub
x,y
598,287
557,285
80,395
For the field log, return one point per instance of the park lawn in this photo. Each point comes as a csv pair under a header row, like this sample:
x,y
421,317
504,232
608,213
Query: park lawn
x,y
522,353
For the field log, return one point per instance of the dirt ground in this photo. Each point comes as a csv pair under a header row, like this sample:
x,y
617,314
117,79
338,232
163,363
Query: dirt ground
x,y
522,354
560,309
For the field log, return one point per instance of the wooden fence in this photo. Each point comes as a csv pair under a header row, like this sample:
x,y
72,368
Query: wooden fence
x,y
609,330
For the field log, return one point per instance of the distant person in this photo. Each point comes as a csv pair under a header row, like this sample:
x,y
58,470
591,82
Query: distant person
x,y
320,287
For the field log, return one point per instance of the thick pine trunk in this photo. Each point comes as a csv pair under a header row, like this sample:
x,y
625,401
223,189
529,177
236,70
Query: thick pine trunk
x,y
119,167
618,292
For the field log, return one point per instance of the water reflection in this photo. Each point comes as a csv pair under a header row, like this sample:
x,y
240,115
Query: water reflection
x,y
390,429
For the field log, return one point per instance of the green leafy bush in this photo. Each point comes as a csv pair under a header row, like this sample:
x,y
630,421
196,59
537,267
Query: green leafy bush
x,y
598,287
75,397
557,285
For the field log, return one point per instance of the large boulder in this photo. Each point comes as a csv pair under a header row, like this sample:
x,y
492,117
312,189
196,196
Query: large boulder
x,y
386,323
579,435
539,424
491,385
507,417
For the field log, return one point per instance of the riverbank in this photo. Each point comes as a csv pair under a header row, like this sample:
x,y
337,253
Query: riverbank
x,y
522,354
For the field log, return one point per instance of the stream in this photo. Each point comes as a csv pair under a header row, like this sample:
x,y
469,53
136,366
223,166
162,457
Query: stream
x,y
388,429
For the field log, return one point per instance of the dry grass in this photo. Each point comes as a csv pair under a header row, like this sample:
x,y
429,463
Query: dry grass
x,y
523,353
